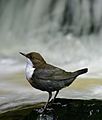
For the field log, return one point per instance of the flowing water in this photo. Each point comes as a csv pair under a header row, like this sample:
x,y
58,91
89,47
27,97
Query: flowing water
x,y
68,33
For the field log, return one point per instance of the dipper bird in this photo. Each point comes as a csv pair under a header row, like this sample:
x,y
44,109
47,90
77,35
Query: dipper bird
x,y
46,77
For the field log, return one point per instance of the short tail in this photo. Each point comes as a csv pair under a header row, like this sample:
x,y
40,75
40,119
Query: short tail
x,y
82,71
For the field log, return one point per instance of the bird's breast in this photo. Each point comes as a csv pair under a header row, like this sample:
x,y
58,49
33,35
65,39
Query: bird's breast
x,y
29,70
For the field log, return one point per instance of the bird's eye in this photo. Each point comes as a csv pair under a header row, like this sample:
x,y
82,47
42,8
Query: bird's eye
x,y
30,56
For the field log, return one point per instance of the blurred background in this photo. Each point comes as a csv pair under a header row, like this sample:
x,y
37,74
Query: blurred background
x,y
67,33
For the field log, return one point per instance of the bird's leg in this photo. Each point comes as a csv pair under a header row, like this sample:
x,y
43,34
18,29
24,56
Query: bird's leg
x,y
55,96
50,95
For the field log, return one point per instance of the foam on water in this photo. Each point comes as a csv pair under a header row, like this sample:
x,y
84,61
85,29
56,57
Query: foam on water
x,y
9,66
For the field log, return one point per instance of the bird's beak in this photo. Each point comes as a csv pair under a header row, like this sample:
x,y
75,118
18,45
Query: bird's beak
x,y
23,54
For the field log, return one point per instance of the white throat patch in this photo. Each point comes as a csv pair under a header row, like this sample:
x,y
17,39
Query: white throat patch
x,y
29,69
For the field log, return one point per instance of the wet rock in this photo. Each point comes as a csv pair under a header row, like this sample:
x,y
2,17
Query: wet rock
x,y
62,109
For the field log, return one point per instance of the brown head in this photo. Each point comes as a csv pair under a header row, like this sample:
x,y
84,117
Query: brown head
x,y
37,60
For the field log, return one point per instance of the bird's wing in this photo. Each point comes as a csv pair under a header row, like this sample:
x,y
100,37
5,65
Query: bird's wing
x,y
52,73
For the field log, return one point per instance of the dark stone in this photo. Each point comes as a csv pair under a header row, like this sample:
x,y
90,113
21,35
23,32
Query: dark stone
x,y
62,109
